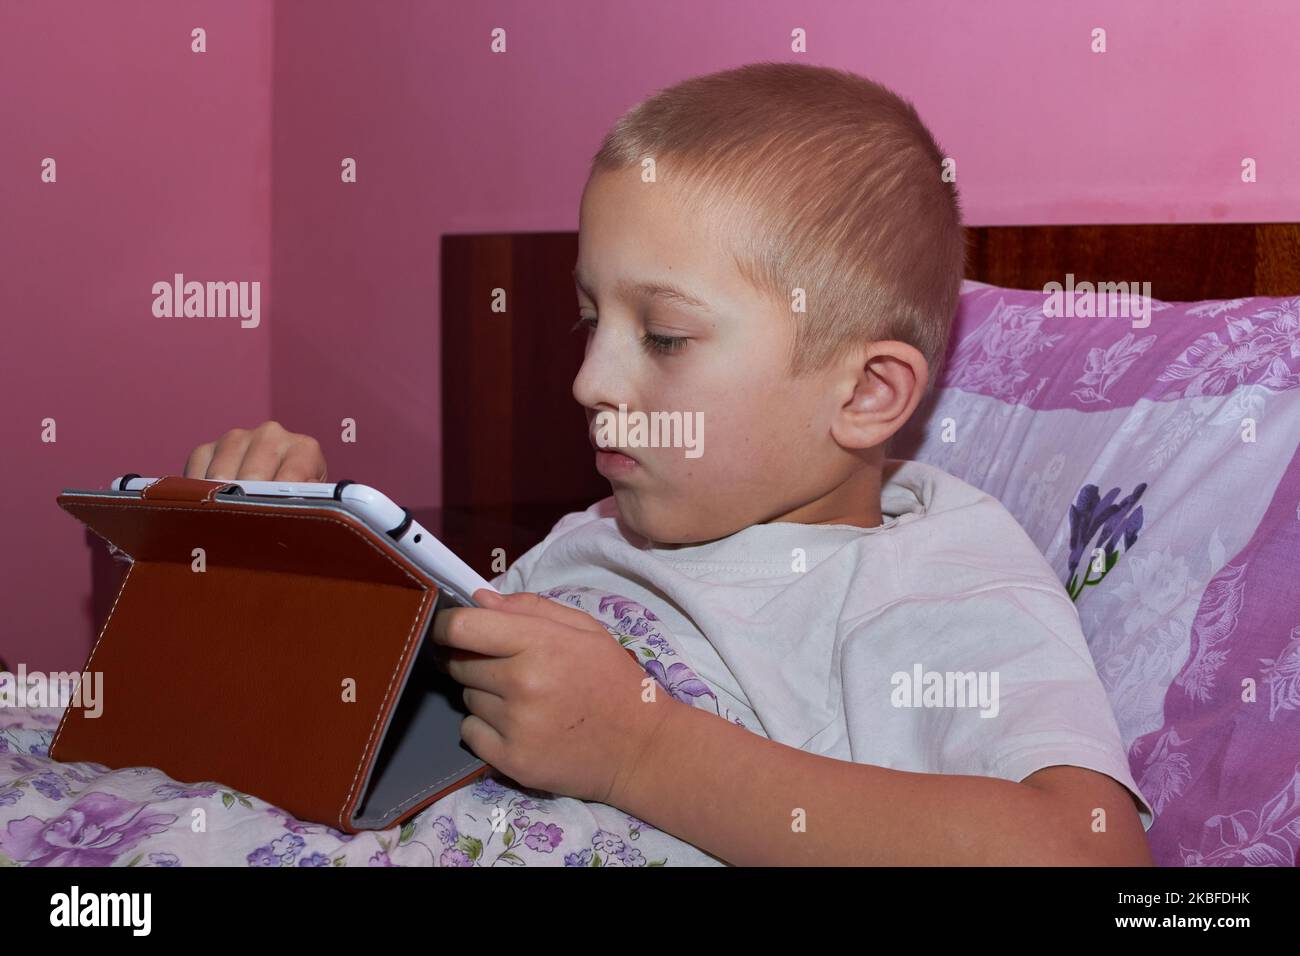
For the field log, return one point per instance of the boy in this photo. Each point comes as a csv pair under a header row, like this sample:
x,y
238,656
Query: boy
x,y
773,250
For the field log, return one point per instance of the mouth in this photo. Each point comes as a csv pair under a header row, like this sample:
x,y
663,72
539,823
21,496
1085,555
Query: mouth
x,y
612,462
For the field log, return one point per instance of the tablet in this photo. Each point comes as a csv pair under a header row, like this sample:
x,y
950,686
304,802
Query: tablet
x,y
372,507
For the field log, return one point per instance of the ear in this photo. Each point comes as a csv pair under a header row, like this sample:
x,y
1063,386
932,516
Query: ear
x,y
882,384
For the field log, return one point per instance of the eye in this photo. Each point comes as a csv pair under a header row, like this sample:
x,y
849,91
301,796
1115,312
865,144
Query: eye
x,y
650,341
663,344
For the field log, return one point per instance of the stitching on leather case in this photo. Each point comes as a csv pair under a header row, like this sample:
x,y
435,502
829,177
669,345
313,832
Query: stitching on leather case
x,y
90,660
449,778
419,616
424,600
455,775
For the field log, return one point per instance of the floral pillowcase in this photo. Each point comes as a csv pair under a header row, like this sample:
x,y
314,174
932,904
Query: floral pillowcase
x,y
1149,449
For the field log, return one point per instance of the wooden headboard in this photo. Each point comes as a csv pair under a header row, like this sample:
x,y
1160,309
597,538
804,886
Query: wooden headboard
x,y
516,455
1183,263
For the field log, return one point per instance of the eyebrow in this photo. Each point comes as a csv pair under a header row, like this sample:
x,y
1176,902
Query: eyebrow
x,y
651,290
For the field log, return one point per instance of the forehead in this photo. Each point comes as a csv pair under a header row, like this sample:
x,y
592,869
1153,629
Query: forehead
x,y
639,239
659,290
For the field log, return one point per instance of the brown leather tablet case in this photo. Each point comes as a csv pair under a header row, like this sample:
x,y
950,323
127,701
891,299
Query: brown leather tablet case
x,y
287,659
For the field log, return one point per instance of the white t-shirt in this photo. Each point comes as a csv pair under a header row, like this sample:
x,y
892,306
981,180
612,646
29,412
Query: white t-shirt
x,y
841,640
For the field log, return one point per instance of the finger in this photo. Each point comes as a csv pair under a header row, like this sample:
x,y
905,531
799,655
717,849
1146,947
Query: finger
x,y
450,661
441,621
481,738
486,706
229,452
264,453
488,674
526,602
488,632
196,466
302,462
443,657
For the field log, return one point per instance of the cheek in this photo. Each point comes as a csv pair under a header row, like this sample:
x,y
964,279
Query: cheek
x,y
741,439
748,420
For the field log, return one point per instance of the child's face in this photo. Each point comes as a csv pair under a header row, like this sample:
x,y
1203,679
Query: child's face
x,y
772,445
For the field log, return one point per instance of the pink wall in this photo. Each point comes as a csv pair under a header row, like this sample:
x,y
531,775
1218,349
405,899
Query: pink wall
x,y
164,167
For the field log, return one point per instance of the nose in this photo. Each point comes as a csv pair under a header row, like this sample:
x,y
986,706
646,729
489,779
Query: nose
x,y
604,379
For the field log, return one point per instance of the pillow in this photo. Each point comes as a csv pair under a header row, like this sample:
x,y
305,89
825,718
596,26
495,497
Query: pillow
x,y
1151,454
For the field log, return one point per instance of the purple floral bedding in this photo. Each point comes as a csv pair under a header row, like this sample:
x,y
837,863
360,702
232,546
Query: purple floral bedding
x,y
83,814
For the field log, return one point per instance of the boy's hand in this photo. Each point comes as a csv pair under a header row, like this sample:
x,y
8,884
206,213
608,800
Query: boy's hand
x,y
266,453
555,703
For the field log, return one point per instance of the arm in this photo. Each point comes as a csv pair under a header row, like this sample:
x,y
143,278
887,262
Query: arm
x,y
734,794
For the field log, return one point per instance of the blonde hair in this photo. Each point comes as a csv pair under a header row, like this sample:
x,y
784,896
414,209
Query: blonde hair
x,y
828,182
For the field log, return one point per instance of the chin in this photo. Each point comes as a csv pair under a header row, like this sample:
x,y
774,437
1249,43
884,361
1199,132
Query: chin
x,y
664,523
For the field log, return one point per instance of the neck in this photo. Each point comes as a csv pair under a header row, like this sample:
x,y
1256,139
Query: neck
x,y
856,502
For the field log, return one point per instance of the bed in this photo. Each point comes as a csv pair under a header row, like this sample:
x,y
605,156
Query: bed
x,y
1178,437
